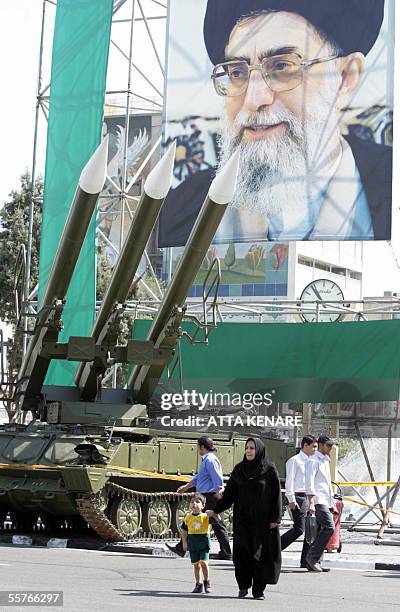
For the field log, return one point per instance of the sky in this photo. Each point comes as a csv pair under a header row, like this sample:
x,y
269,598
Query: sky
x,y
19,50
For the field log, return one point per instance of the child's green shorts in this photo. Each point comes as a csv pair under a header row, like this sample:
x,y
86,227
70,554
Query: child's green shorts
x,y
199,555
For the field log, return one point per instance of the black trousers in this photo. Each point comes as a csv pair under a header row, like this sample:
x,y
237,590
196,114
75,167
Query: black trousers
x,y
249,573
219,528
298,529
326,528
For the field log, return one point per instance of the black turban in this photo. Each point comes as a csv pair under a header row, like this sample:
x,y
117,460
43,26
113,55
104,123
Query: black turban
x,y
353,24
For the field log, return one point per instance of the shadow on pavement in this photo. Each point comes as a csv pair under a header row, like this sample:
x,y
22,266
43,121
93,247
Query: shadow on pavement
x,y
174,594
382,575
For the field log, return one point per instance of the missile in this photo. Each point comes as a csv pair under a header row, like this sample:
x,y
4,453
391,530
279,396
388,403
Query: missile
x,y
156,188
91,181
144,378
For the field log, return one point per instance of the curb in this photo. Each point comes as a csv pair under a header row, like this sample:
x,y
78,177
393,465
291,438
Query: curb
x,y
42,541
346,564
394,567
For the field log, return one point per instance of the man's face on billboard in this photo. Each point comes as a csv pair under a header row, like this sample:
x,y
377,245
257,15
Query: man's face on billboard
x,y
290,140
266,36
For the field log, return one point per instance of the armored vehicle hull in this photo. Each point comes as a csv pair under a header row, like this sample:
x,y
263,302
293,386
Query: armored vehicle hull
x,y
122,486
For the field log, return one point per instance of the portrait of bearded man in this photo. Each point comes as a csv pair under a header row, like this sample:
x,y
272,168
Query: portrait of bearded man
x,y
285,70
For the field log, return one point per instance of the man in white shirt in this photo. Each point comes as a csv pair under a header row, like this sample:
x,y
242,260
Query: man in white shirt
x,y
296,494
322,504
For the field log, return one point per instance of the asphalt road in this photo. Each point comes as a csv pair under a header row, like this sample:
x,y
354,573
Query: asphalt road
x,y
96,580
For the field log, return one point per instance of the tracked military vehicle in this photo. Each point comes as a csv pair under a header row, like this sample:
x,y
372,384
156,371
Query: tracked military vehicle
x,y
93,455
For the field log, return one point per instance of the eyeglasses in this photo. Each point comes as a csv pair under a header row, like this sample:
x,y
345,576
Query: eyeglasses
x,y
280,73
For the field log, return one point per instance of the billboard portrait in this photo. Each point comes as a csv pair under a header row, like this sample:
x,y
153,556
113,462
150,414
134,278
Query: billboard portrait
x,y
304,88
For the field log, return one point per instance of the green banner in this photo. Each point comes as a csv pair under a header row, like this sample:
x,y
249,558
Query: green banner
x,y
78,77
309,362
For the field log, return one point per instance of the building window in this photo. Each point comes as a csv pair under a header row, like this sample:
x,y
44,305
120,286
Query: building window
x,y
306,262
322,266
340,271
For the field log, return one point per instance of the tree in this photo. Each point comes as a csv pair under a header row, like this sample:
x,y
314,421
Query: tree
x,y
104,271
230,256
14,220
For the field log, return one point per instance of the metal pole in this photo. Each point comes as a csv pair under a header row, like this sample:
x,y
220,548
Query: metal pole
x,y
363,499
141,74
170,255
380,500
151,38
114,375
153,274
127,122
160,3
389,460
118,5
307,415
33,178
144,163
371,474
389,507
180,364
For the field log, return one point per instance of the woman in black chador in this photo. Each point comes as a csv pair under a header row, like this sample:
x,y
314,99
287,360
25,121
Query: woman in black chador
x,y
254,489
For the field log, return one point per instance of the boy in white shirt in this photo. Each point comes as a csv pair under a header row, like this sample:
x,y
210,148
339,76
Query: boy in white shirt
x,y
295,487
322,504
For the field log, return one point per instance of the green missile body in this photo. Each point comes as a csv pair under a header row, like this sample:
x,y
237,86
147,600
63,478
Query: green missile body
x,y
155,191
144,379
34,366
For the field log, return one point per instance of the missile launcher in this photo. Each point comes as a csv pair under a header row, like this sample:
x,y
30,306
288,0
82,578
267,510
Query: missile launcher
x,y
89,456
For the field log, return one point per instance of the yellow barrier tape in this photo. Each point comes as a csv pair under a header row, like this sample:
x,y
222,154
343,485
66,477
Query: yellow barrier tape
x,y
361,484
364,484
117,468
29,466
356,501
138,472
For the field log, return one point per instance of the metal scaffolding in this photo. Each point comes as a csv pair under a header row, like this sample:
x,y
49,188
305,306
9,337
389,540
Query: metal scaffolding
x,y
116,201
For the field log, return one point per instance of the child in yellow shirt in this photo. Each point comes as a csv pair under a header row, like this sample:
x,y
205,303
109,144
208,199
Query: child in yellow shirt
x,y
196,538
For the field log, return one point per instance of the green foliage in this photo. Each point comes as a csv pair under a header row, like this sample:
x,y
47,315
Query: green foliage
x,y
104,271
230,257
14,219
345,446
255,257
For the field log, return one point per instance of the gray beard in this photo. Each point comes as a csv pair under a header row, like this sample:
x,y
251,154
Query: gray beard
x,y
282,173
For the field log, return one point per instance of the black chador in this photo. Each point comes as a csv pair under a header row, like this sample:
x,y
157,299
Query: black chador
x,y
254,490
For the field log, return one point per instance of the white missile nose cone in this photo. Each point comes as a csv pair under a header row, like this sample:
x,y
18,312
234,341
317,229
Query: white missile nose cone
x,y
223,186
93,176
159,181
